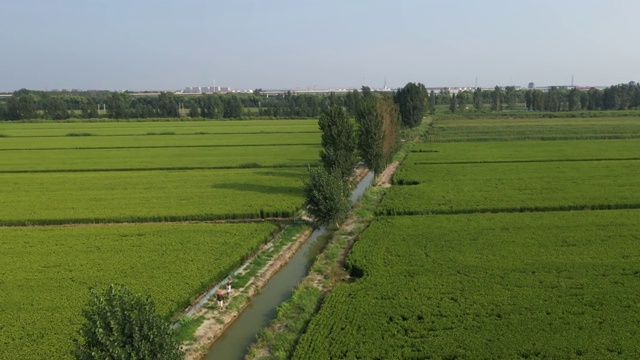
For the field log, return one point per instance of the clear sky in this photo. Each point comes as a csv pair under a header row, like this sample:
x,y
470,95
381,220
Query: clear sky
x,y
299,44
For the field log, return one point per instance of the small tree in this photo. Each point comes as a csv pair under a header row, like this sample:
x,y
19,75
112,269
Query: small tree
x,y
326,196
120,324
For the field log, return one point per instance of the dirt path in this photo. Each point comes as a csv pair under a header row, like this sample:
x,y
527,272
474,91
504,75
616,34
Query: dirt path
x,y
216,321
384,179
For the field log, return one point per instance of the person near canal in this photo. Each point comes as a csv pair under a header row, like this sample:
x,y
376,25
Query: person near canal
x,y
229,289
220,298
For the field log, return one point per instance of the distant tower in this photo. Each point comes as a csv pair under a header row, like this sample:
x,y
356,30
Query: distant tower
x,y
384,87
572,80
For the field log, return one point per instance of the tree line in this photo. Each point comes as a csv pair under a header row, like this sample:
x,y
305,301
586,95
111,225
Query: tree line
x,y
60,105
373,138
554,99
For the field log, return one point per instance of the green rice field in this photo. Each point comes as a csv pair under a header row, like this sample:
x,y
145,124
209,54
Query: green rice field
x,y
535,129
158,158
510,258
552,285
157,141
89,204
523,151
465,188
54,129
46,273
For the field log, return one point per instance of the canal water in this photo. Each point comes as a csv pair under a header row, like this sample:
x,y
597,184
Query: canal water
x,y
234,342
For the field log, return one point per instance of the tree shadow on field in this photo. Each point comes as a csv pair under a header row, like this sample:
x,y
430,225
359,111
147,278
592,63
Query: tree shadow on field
x,y
300,173
260,188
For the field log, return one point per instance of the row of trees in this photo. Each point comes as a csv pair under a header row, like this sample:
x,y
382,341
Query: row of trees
x,y
378,120
26,104
617,97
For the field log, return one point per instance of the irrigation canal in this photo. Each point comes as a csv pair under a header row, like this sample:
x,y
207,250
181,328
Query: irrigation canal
x,y
234,342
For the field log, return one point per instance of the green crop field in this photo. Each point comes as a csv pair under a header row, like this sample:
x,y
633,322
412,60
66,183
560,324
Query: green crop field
x,y
531,280
158,128
549,285
465,188
535,129
46,273
134,196
84,175
502,151
157,141
158,158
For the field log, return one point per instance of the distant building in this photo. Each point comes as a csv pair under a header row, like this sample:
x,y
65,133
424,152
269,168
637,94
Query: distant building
x,y
206,90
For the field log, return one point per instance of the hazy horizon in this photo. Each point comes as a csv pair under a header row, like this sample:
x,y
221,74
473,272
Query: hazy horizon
x,y
297,44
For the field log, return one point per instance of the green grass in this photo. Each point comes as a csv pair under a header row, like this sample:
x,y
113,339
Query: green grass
x,y
535,129
47,273
157,158
142,128
187,327
155,141
561,150
487,286
467,188
143,196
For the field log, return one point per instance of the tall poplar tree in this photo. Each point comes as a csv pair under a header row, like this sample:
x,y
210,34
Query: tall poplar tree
x,y
338,152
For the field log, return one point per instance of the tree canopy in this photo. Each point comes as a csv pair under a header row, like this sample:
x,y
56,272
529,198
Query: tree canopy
x,y
326,195
338,142
120,324
413,101
378,132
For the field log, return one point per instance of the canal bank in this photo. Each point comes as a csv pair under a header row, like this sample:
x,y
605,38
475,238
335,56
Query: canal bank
x,y
233,343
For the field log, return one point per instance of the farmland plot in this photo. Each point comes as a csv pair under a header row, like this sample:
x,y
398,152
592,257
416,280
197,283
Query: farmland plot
x,y
487,286
46,273
536,129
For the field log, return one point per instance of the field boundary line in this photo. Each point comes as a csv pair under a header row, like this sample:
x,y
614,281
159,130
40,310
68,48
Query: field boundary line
x,y
177,168
524,209
153,147
109,222
524,161
160,134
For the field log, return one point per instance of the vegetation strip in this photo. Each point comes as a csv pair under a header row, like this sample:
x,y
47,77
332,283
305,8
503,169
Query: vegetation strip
x,y
521,161
176,168
497,210
154,147
535,137
153,133
140,196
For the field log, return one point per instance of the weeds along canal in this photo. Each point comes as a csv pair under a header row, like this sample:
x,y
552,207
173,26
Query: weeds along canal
x,y
234,342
